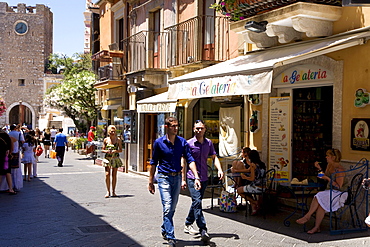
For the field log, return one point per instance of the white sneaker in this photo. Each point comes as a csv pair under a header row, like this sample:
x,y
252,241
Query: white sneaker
x,y
367,221
190,230
204,236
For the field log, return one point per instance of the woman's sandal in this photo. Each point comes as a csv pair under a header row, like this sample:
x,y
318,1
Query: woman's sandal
x,y
12,192
114,195
107,195
313,230
302,220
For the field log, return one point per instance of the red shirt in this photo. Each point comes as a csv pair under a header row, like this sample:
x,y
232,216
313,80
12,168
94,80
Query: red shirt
x,y
90,136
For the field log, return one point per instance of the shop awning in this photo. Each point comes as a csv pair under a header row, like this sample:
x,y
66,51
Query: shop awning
x,y
252,73
156,103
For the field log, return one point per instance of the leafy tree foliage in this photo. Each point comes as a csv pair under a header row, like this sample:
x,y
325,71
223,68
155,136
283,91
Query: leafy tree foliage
x,y
75,96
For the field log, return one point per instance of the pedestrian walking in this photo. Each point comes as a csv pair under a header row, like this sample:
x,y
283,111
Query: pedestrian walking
x,y
61,145
28,156
112,146
166,157
53,133
200,148
17,137
47,142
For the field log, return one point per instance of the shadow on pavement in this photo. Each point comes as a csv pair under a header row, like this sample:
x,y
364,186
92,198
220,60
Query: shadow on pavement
x,y
275,223
42,216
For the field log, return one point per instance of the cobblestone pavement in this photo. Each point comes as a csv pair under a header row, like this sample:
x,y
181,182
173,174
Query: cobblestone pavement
x,y
65,206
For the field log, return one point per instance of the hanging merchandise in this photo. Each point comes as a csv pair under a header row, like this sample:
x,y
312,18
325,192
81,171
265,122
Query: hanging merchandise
x,y
254,122
254,99
230,126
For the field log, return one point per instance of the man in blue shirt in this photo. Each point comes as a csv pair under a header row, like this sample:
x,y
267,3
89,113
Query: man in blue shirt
x,y
201,148
167,153
60,142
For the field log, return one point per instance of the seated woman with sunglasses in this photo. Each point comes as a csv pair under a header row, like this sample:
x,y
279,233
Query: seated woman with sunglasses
x,y
241,166
321,202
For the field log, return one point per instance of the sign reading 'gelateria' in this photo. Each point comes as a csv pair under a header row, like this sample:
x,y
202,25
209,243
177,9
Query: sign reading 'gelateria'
x,y
307,73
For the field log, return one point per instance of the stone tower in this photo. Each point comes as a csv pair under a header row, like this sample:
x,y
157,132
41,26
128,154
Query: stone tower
x,y
26,34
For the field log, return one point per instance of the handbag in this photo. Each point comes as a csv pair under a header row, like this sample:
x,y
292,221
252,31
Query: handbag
x,y
14,160
39,150
53,154
227,202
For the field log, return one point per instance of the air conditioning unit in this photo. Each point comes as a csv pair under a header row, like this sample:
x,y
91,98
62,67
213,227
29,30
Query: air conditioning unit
x,y
364,3
113,47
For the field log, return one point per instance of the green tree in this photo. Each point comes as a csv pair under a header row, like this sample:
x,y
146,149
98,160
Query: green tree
x,y
75,96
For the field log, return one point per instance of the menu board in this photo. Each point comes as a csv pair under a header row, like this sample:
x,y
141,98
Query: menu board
x,y
279,137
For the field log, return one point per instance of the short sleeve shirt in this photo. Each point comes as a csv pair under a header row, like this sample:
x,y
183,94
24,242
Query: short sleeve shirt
x,y
200,153
60,140
168,156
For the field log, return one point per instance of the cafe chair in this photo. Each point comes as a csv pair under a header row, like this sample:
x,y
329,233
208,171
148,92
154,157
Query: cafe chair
x,y
268,194
353,191
213,182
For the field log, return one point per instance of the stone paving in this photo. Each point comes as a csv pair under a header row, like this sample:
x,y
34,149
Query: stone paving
x,y
65,206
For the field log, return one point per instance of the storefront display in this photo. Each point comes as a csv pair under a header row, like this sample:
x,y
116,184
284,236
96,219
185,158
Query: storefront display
x,y
312,128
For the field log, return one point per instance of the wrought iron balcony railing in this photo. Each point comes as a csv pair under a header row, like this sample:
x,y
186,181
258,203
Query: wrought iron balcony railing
x,y
202,38
110,72
144,50
240,9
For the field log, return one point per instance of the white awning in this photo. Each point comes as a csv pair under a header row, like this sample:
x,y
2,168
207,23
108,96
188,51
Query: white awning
x,y
252,73
156,103
110,107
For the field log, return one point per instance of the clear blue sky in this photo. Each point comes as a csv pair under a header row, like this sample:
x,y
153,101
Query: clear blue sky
x,y
68,23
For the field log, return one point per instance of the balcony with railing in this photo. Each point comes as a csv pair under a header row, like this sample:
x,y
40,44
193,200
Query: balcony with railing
x,y
267,23
199,39
144,50
108,69
241,9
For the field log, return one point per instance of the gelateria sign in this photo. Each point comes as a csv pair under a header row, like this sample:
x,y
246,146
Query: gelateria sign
x,y
222,86
303,74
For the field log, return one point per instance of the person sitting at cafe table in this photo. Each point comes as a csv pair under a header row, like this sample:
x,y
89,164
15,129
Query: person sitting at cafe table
x,y
256,175
321,202
241,166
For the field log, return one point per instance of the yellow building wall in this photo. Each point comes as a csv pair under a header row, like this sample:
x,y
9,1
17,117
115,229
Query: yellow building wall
x,y
355,75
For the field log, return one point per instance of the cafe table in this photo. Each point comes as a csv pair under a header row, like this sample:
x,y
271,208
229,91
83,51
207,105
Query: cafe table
x,y
301,201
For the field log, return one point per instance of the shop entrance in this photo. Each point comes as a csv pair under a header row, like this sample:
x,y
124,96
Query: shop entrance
x,y
149,138
312,129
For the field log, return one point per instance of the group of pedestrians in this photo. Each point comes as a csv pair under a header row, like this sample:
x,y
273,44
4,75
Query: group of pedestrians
x,y
181,164
19,145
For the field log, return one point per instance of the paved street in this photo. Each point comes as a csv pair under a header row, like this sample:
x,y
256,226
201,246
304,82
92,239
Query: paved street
x,y
65,206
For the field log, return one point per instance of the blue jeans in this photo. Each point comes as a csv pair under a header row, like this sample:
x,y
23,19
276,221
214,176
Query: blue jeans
x,y
169,189
195,212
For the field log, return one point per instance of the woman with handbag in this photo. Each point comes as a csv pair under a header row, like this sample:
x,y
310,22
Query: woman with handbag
x,y
256,174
